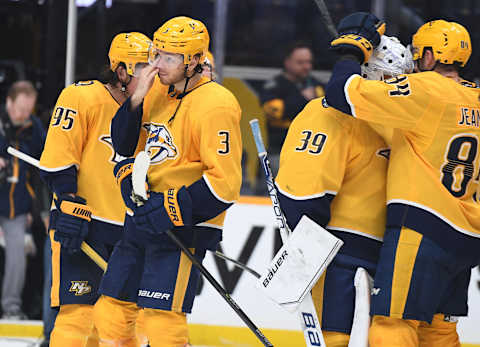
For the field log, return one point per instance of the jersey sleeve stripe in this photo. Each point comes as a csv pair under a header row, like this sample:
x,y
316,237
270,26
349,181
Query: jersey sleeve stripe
x,y
347,96
356,232
210,187
435,213
306,197
59,168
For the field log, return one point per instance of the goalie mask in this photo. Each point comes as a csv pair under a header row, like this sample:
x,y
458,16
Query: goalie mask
x,y
389,59
130,49
449,41
180,35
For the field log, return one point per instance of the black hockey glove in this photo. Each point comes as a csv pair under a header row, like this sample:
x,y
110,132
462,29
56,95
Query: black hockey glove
x,y
72,223
359,34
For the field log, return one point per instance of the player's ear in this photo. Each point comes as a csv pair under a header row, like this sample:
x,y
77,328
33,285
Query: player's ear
x,y
429,59
194,62
122,73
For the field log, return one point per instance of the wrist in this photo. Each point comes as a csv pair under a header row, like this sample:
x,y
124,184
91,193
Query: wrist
x,y
135,101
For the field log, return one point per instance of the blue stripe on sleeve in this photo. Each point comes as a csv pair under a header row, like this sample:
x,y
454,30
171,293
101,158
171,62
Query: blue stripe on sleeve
x,y
335,90
60,182
317,209
125,129
205,205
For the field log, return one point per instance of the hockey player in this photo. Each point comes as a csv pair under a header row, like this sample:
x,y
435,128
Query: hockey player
x,y
190,127
433,226
77,163
333,169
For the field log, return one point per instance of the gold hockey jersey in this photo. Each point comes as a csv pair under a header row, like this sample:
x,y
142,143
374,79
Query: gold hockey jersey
x,y
79,135
195,136
328,155
434,164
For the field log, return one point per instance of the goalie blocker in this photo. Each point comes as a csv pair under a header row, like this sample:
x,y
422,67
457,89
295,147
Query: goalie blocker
x,y
298,264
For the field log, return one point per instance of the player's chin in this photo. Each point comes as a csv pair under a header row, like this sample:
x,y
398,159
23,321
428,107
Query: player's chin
x,y
164,78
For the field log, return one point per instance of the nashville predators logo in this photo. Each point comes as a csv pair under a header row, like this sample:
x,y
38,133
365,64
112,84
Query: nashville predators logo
x,y
80,287
160,143
115,158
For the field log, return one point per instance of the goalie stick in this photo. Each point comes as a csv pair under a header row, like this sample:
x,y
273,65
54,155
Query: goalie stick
x,y
85,247
142,164
309,322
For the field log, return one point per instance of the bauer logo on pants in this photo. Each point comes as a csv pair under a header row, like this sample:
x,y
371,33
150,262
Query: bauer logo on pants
x,y
153,295
80,287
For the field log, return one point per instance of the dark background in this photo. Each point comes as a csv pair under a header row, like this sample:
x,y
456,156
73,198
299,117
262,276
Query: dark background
x,y
34,33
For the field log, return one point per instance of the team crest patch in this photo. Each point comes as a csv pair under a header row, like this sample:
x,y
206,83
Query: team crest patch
x,y
115,158
160,143
80,287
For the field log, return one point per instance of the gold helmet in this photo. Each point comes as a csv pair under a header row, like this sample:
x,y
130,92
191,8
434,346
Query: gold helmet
x,y
130,49
182,35
449,41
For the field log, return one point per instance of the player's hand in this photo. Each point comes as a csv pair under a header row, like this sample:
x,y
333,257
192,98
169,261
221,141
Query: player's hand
x,y
359,34
29,245
309,93
163,211
71,227
123,175
145,82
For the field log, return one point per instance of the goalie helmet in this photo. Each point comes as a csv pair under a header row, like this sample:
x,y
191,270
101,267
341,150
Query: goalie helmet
x,y
449,41
390,58
130,49
182,35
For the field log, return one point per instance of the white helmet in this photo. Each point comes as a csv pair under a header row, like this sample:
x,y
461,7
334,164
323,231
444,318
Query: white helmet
x,y
390,58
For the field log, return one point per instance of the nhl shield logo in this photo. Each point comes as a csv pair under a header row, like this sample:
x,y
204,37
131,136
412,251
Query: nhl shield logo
x,y
160,143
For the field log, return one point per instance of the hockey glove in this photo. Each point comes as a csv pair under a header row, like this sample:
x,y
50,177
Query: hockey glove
x,y
359,35
72,222
163,211
123,175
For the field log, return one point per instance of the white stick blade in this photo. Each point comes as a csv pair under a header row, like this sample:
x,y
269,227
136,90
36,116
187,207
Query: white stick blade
x,y
139,174
361,316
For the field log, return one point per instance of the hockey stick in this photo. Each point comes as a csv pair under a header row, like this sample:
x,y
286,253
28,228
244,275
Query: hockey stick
x,y
309,322
326,19
237,263
85,247
141,163
140,169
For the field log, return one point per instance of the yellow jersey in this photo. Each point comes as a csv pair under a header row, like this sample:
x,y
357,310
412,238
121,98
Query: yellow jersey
x,y
434,169
191,137
79,136
333,168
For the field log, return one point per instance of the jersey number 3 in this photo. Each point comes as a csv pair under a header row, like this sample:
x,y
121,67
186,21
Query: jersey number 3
x,y
459,168
225,142
63,117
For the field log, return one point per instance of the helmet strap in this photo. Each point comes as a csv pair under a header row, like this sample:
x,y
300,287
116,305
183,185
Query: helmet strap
x,y
124,85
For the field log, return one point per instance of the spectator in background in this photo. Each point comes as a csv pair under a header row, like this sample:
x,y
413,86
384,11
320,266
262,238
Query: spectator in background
x,y
19,129
286,94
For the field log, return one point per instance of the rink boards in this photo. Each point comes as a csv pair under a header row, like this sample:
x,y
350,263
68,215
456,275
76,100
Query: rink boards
x,y
249,235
